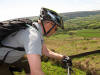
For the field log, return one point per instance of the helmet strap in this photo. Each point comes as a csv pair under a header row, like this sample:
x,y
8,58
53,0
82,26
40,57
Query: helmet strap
x,y
43,28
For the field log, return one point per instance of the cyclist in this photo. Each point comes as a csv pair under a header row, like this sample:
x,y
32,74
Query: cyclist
x,y
31,39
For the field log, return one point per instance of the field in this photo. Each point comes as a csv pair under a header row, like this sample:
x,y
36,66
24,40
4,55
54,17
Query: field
x,y
77,42
92,33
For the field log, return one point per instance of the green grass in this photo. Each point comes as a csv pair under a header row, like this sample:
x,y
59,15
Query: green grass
x,y
20,73
76,42
85,33
88,33
59,36
51,69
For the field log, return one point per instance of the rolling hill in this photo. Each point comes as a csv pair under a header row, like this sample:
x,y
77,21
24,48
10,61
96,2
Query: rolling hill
x,y
72,15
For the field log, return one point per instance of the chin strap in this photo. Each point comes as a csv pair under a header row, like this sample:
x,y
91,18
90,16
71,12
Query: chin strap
x,y
43,28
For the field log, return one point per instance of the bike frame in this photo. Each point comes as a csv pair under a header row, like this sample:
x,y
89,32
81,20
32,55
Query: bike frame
x,y
69,69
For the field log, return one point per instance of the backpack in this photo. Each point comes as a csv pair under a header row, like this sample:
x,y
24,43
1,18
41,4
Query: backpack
x,y
11,26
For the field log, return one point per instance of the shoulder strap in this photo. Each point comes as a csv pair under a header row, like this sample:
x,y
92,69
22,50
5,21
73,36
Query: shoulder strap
x,y
35,27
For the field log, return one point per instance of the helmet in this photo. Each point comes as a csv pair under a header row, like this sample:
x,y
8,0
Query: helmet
x,y
47,14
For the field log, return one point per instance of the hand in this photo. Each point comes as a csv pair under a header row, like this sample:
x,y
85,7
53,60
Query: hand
x,y
66,61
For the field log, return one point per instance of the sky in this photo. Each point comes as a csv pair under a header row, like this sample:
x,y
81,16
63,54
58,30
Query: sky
x,y
10,9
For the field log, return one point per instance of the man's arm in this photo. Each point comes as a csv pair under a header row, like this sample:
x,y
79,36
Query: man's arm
x,y
35,64
47,52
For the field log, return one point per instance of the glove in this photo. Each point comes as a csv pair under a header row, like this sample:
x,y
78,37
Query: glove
x,y
66,61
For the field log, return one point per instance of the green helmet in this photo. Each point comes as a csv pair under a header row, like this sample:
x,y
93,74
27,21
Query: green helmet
x,y
47,14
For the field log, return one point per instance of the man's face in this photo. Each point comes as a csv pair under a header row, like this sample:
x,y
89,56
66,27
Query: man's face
x,y
48,25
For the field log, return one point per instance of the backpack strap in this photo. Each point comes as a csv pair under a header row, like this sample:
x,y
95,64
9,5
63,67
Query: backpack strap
x,y
33,25
15,48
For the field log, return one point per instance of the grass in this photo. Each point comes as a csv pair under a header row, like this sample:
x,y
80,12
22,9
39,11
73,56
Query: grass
x,y
51,69
76,42
90,63
89,33
73,45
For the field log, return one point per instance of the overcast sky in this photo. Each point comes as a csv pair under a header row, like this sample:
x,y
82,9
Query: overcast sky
x,y
10,9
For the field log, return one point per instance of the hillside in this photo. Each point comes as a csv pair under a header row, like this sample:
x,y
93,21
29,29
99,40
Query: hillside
x,y
90,22
72,15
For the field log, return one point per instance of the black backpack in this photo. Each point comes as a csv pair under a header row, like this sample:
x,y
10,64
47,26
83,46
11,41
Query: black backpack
x,y
11,26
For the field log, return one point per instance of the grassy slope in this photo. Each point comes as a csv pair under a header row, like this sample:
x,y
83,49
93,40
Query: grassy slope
x,y
89,33
51,69
79,42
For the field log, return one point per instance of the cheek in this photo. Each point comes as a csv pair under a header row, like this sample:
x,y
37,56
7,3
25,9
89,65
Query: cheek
x,y
47,27
51,32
